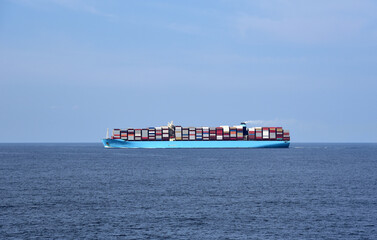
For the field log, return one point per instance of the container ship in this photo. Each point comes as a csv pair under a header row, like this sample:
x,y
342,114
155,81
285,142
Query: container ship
x,y
198,137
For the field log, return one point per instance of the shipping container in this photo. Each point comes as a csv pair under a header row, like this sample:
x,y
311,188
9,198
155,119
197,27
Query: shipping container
x,y
178,133
212,133
137,134
286,136
219,133
266,134
206,133
116,132
258,133
199,133
152,134
144,134
165,133
185,134
158,134
131,134
233,133
272,133
123,134
192,133
279,133
226,132
239,133
251,133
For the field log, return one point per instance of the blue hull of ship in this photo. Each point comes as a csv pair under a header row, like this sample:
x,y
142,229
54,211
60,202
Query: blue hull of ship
x,y
118,143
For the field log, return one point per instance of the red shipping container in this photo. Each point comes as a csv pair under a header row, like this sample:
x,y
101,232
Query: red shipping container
x,y
272,133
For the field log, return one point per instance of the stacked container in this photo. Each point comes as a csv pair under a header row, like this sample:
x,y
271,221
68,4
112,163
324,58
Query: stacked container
x,y
158,133
251,133
266,134
233,133
192,133
185,134
131,134
205,133
165,133
239,133
116,134
178,133
137,134
272,133
212,133
123,134
219,133
226,132
279,133
199,134
152,134
286,136
144,134
258,133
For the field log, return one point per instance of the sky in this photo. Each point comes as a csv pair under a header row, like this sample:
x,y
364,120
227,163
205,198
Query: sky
x,y
70,69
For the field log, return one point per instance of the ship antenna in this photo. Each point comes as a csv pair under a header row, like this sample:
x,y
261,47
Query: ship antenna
x,y
107,134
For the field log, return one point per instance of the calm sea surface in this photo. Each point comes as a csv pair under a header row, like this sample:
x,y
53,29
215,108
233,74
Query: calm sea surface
x,y
72,191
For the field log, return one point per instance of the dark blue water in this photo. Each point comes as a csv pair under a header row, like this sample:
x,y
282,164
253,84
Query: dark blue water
x,y
310,191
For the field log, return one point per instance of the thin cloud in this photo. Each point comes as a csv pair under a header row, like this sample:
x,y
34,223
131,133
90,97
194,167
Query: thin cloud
x,y
74,5
271,123
309,22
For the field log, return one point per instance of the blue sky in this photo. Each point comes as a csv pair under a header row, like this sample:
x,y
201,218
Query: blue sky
x,y
70,69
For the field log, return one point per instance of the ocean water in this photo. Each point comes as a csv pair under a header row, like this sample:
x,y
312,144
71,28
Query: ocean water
x,y
75,191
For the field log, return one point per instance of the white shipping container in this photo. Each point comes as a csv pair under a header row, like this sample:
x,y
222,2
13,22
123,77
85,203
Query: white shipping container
x,y
266,134
225,129
144,133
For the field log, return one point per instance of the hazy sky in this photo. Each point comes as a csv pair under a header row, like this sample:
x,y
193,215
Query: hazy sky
x,y
69,69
